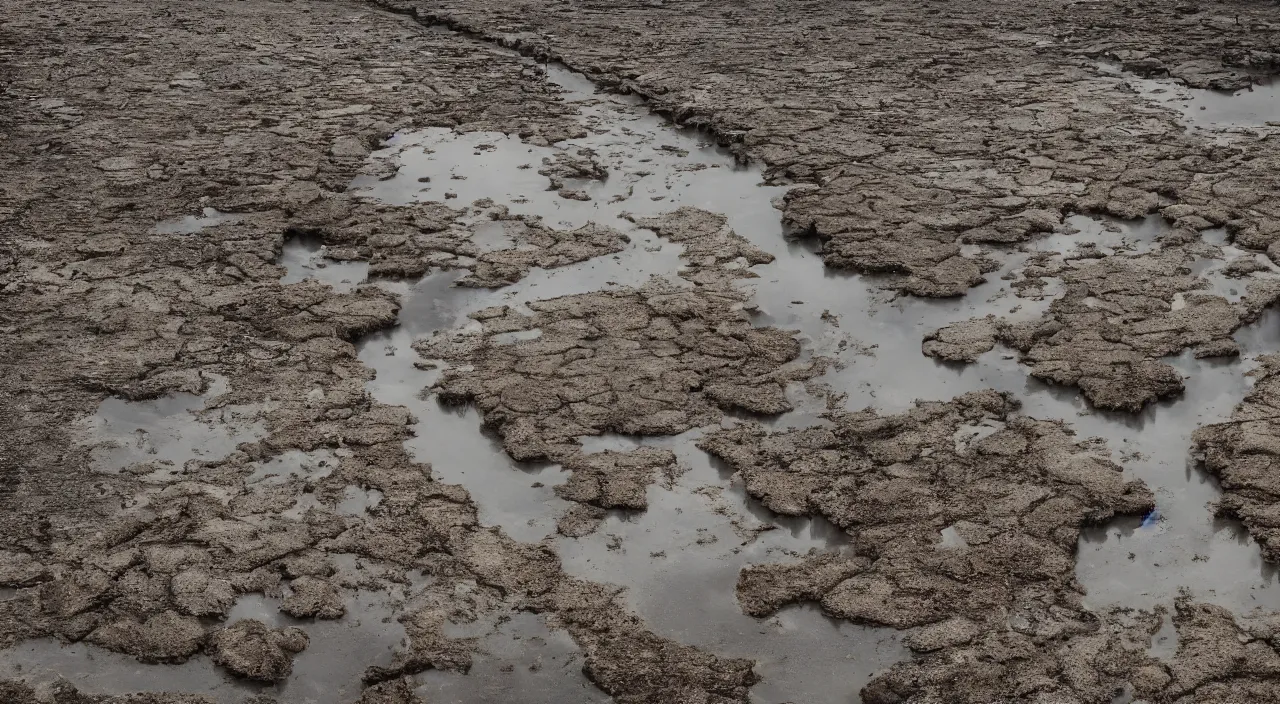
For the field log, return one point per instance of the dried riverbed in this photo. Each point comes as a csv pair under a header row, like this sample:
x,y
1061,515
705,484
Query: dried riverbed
x,y
547,399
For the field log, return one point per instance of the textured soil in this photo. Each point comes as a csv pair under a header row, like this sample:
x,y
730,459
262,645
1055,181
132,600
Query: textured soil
x,y
266,110
924,143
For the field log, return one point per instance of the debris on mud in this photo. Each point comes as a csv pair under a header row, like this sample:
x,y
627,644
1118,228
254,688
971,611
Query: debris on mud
x,y
313,598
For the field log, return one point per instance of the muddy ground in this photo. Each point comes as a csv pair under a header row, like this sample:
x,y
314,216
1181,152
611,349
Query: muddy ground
x,y
393,352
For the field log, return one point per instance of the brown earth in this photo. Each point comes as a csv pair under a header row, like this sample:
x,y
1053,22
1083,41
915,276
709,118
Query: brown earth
x,y
983,125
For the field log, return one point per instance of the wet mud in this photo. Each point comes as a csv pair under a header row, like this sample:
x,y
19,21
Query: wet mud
x,y
638,353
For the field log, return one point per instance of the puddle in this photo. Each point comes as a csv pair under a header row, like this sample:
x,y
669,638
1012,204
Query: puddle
x,y
653,168
1137,562
1215,270
1250,108
158,437
1164,644
303,258
493,235
1109,235
191,224
293,464
356,501
329,670
97,671
521,662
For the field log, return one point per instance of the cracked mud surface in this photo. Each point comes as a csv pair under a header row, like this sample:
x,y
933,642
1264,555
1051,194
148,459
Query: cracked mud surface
x,y
1117,317
656,360
247,249
957,509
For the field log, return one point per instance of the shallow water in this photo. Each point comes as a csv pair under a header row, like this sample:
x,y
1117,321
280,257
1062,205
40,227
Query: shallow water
x,y
520,662
327,672
303,258
1253,108
680,558
160,436
97,671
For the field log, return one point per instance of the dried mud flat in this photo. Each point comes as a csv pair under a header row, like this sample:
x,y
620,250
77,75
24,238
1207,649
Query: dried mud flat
x,y
392,352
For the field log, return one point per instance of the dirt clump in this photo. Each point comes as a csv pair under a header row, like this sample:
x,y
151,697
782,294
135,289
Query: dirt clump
x,y
251,649
313,598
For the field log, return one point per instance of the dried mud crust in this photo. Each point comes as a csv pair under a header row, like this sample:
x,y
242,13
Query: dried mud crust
x,y
1117,317
660,359
956,509
266,110
915,127
964,517
1219,661
1244,454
